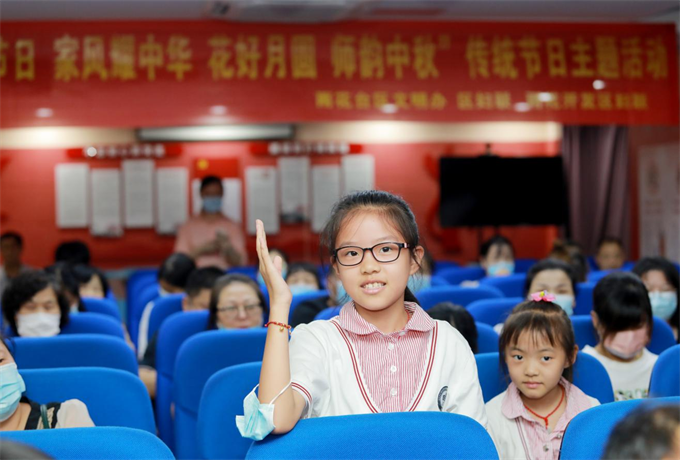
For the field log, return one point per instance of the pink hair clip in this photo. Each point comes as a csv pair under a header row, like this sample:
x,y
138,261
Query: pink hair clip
x,y
542,296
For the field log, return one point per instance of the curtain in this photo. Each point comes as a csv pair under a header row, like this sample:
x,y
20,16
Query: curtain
x,y
596,167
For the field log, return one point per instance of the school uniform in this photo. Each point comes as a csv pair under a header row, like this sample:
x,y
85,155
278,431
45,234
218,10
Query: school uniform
x,y
519,436
347,366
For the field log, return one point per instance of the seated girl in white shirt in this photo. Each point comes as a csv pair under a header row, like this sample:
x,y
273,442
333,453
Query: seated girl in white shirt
x,y
538,348
383,353
622,317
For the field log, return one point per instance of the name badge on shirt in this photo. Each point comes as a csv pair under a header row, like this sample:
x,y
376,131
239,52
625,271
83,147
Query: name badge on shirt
x,y
441,399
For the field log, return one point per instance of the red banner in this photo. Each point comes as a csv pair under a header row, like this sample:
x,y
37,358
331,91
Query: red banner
x,y
187,73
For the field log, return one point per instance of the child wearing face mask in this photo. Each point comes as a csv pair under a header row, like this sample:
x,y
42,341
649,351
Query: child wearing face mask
x,y
556,278
33,305
497,257
661,280
538,348
303,277
622,317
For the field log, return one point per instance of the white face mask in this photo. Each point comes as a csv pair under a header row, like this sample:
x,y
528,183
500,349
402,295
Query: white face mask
x,y
38,325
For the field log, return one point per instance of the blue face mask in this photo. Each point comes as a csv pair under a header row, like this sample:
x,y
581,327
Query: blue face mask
x,y
257,420
664,304
11,387
341,295
212,204
301,288
500,269
566,302
418,283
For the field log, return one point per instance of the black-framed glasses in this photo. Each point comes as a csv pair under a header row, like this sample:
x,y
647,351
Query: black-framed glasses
x,y
382,252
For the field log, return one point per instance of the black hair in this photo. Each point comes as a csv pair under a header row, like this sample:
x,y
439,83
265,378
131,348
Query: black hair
x,y
540,319
458,317
225,281
391,207
497,240
610,240
282,253
12,236
5,341
175,270
549,264
64,273
23,288
647,433
665,266
570,251
74,252
202,278
307,267
84,273
209,180
621,302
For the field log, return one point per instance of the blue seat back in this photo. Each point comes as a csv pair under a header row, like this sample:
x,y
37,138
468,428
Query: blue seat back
x,y
103,306
584,298
93,323
510,286
487,339
138,280
456,294
303,297
222,399
250,271
587,433
136,309
438,281
163,307
493,311
84,350
172,334
440,265
328,313
96,387
596,275
198,359
662,334
422,435
98,443
457,275
523,265
666,374
589,375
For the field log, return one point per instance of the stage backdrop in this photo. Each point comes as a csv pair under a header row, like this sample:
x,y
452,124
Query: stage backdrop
x,y
187,73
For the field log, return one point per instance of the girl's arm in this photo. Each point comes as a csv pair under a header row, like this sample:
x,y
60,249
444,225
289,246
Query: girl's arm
x,y
275,374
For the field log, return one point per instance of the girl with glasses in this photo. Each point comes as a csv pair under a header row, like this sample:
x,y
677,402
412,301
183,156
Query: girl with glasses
x,y
383,353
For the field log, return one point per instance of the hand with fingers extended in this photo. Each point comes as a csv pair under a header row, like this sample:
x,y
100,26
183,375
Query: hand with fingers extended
x,y
280,296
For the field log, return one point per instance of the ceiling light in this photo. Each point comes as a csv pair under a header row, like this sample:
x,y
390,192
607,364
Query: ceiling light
x,y
216,133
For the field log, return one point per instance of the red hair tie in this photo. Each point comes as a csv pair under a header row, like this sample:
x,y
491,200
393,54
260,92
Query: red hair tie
x,y
542,296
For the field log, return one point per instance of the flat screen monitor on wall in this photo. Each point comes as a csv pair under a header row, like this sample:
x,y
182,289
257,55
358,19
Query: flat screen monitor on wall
x,y
494,191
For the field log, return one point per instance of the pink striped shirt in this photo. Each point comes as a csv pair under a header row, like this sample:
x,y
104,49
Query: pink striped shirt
x,y
392,365
539,443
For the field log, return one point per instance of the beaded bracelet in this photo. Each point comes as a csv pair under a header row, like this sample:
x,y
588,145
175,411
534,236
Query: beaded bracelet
x,y
282,326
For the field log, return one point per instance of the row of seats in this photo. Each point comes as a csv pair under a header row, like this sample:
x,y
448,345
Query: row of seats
x,y
205,355
207,401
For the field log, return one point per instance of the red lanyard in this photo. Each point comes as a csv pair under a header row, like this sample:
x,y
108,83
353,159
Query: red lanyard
x,y
545,419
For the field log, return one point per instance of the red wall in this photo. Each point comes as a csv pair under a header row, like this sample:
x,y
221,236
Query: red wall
x,y
28,203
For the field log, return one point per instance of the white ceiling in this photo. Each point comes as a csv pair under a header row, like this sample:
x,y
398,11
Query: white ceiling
x,y
316,11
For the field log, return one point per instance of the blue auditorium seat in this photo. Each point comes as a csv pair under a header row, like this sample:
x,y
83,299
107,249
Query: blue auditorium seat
x,y
136,308
457,275
93,323
103,306
304,297
487,338
328,313
250,271
163,308
510,286
456,294
584,298
665,379
493,311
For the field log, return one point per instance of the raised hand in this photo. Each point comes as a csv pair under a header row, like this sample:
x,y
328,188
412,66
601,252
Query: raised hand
x,y
279,292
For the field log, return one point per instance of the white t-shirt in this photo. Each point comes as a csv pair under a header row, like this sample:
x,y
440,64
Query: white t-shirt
x,y
630,380
324,371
